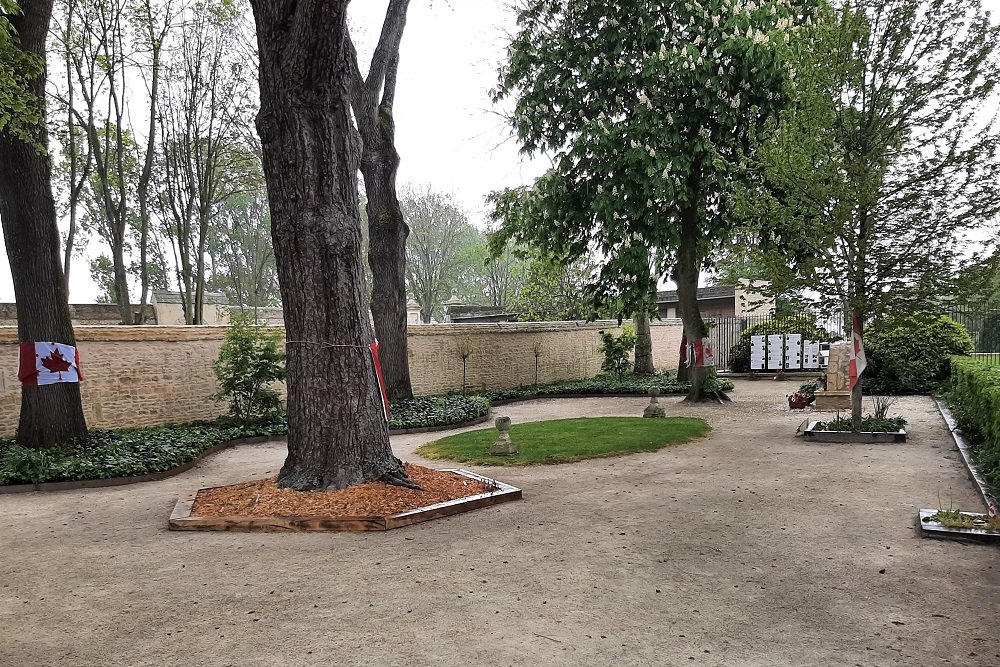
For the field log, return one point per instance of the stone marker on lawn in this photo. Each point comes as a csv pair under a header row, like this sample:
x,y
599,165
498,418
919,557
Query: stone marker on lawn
x,y
504,446
654,409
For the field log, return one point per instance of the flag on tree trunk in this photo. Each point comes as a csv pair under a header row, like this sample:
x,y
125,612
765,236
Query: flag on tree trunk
x,y
381,381
858,360
48,363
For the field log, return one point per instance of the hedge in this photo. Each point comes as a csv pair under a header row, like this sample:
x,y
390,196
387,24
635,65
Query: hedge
x,y
974,397
909,353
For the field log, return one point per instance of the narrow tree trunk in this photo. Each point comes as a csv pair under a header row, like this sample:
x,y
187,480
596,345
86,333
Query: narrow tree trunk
x,y
387,232
121,284
643,345
50,414
337,435
686,276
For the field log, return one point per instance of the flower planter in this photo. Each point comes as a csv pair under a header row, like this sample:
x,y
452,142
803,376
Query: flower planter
x,y
812,433
931,528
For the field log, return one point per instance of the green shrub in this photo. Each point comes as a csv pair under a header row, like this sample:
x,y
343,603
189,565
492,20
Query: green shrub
x,y
251,359
974,397
908,354
427,411
805,325
616,351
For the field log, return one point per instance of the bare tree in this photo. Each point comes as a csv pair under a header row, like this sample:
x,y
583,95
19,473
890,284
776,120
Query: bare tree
x,y
203,161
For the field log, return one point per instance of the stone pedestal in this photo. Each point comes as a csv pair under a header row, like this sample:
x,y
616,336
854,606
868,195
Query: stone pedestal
x,y
654,409
504,446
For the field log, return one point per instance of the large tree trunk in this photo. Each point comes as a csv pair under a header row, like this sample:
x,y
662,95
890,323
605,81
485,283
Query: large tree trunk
x,y
50,414
337,434
643,345
387,232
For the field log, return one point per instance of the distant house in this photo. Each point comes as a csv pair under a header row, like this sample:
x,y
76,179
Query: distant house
x,y
720,301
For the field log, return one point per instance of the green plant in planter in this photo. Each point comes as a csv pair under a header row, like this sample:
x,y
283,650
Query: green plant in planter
x,y
249,362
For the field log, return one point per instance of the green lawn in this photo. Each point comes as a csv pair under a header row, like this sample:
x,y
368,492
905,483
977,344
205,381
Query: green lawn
x,y
568,440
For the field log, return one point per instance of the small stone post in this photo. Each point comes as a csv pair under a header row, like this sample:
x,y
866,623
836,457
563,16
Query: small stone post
x,y
654,409
504,446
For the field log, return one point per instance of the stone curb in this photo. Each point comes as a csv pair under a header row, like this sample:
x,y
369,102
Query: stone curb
x,y
963,448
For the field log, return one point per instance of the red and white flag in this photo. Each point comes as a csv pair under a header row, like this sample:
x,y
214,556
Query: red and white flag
x,y
48,363
858,360
381,382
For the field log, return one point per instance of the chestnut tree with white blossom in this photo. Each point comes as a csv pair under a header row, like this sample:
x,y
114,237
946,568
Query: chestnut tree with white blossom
x,y
647,110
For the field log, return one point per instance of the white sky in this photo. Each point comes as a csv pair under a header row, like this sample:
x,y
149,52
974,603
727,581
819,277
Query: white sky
x,y
447,133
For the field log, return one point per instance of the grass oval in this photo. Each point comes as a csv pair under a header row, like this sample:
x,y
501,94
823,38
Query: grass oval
x,y
568,440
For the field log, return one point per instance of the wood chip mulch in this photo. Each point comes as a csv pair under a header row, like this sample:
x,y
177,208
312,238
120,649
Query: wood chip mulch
x,y
264,498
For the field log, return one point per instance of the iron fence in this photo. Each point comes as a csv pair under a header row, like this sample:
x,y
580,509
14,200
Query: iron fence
x,y
983,323
725,331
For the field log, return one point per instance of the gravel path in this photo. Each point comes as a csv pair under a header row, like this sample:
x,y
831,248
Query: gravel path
x,y
750,547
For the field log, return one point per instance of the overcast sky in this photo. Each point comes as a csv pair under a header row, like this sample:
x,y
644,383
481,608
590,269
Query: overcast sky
x,y
447,133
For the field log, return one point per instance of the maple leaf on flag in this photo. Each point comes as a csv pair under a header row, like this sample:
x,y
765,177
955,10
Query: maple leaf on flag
x,y
56,363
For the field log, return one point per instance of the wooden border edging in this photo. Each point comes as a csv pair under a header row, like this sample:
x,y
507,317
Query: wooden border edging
x,y
970,465
181,518
935,529
856,437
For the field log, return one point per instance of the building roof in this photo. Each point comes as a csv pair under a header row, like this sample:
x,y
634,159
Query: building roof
x,y
704,293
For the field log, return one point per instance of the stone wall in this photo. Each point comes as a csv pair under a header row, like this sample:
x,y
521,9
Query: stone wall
x,y
148,375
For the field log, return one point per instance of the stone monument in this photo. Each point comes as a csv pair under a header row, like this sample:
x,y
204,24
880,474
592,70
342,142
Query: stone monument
x,y
654,409
837,395
504,446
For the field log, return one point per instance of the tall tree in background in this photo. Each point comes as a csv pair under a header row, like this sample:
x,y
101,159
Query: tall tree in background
x,y
311,156
205,87
872,182
372,97
239,246
440,248
50,414
647,110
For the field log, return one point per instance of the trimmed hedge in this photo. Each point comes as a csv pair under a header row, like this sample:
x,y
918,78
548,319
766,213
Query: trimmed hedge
x,y
602,385
908,354
974,397
739,355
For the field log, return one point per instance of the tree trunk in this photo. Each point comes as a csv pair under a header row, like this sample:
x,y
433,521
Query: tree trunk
x,y
643,345
337,434
686,276
50,414
387,232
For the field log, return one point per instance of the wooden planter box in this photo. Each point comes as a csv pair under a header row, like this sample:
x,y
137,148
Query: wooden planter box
x,y
811,433
181,518
934,529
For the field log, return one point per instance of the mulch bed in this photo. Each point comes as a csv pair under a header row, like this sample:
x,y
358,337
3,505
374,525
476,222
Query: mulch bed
x,y
263,498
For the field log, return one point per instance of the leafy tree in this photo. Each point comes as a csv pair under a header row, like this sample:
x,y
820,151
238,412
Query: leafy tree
x,y
555,292
239,247
616,350
249,363
335,438
869,185
440,249
49,414
647,110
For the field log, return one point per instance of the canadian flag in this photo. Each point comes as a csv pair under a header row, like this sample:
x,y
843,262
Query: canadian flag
x,y
48,363
858,360
381,382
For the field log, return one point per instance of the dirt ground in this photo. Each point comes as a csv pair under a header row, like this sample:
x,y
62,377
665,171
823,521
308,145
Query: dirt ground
x,y
748,548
